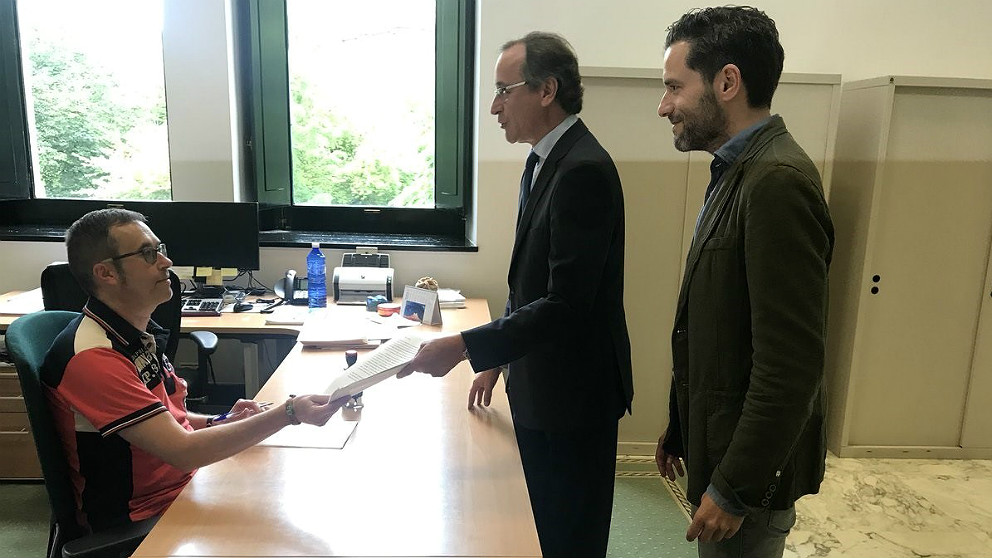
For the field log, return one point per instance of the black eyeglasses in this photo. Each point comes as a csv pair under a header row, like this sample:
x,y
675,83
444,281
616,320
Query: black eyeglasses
x,y
148,253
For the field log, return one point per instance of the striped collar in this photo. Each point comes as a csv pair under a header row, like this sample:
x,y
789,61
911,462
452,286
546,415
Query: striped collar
x,y
115,325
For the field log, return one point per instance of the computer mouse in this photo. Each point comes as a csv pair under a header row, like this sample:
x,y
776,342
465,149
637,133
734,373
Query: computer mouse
x,y
243,306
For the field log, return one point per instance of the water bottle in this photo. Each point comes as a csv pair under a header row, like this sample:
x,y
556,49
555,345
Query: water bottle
x,y
316,277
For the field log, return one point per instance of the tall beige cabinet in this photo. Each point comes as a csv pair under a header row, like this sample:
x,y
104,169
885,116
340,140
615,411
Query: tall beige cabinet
x,y
909,357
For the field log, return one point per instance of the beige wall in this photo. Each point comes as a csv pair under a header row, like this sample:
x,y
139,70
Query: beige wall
x,y
848,37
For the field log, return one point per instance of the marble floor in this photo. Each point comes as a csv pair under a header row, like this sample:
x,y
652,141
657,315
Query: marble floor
x,y
897,508
879,508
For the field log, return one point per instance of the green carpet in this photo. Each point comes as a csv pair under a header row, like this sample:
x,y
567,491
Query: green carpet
x,y
648,520
23,519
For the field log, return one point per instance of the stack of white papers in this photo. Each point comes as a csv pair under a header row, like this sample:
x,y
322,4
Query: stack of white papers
x,y
450,298
288,315
327,332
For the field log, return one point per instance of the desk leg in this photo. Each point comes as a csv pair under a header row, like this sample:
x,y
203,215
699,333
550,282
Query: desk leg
x,y
250,351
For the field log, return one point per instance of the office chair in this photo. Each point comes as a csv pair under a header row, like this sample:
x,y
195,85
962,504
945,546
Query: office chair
x,y
28,340
60,291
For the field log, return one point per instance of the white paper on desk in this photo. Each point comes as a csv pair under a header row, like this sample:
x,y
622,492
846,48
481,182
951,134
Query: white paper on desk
x,y
288,315
377,365
24,303
450,298
332,331
333,435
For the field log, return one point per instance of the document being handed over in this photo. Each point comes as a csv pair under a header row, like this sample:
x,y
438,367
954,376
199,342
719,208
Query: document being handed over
x,y
377,365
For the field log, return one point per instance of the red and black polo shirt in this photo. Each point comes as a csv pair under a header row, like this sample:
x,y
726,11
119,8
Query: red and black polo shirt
x,y
104,375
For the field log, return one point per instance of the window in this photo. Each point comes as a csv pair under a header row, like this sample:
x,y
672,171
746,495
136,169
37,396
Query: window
x,y
358,115
94,98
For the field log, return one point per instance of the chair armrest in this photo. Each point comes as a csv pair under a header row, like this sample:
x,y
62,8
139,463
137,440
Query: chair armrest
x,y
206,341
111,542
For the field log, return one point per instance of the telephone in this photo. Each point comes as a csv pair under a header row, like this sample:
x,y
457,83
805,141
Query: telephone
x,y
293,289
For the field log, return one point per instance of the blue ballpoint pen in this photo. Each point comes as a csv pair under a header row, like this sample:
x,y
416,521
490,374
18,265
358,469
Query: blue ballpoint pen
x,y
223,416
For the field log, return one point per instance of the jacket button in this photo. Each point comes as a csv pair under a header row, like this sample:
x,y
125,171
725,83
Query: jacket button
x,y
772,487
768,495
764,502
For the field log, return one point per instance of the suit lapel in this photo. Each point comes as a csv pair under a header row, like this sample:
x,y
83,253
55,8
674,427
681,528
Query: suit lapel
x,y
729,187
721,196
541,183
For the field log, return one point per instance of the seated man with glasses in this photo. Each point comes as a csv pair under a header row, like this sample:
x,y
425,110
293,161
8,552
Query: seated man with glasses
x,y
118,405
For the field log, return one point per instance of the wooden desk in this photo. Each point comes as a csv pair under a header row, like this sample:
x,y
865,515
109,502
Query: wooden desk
x,y
421,476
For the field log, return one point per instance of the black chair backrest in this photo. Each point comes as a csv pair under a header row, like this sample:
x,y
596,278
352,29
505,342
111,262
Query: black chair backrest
x,y
28,340
60,291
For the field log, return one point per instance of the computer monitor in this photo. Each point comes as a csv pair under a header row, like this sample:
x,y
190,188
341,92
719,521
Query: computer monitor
x,y
209,236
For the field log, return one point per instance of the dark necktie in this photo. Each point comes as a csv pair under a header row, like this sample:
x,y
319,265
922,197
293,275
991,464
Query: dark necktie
x,y
525,182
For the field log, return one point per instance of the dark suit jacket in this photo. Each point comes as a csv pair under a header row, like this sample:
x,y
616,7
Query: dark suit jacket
x,y
748,345
565,335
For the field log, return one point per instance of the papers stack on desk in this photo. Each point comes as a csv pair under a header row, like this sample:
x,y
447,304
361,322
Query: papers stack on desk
x,y
376,366
288,315
337,334
450,298
331,331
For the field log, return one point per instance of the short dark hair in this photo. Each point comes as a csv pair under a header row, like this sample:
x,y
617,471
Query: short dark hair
x,y
550,55
88,242
739,35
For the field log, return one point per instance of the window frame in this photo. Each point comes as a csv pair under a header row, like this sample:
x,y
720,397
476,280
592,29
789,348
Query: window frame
x,y
23,215
16,179
263,84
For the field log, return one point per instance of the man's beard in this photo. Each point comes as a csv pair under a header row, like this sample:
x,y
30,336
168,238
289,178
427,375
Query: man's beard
x,y
703,126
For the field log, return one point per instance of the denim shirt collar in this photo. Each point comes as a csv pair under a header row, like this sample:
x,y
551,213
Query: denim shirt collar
x,y
730,151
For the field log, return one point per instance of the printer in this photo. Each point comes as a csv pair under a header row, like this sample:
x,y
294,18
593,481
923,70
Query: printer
x,y
362,275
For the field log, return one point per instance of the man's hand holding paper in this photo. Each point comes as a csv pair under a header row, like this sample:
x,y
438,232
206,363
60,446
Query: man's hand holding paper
x,y
436,357
316,409
377,365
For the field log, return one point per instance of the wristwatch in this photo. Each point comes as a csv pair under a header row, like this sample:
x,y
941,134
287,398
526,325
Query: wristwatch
x,y
291,412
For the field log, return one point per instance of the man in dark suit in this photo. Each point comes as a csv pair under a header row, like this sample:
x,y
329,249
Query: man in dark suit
x,y
564,334
747,400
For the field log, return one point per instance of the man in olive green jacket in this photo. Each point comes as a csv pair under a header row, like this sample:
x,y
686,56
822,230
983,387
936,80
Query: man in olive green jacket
x,y
747,404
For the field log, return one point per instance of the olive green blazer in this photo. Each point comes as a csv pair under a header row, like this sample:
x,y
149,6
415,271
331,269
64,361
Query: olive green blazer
x,y
748,401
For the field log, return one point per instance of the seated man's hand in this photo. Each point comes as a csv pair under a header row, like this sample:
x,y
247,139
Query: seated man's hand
x,y
482,388
243,409
316,409
436,357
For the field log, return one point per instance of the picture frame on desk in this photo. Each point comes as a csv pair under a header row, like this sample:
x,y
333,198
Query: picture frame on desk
x,y
421,305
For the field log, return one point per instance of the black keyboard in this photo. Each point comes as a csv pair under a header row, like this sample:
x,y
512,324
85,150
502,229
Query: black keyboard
x,y
202,306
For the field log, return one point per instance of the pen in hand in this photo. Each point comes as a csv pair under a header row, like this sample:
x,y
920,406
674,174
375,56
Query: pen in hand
x,y
263,405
